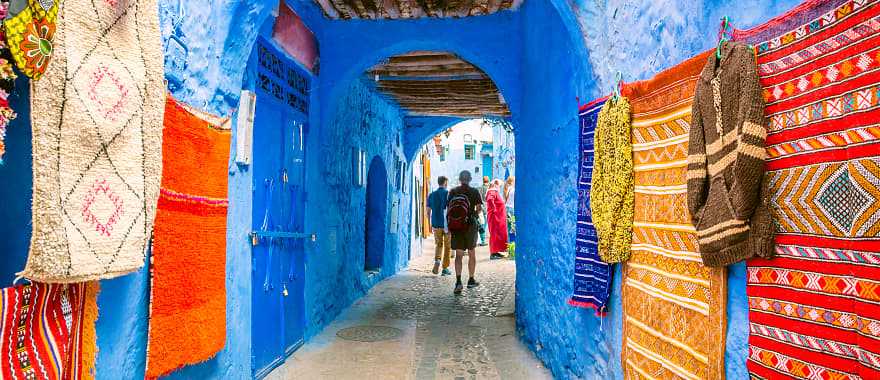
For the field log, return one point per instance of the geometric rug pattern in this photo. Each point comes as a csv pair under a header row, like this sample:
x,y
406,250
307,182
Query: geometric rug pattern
x,y
674,306
814,309
97,142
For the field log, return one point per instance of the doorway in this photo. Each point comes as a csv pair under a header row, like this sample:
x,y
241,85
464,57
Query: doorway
x,y
280,132
375,216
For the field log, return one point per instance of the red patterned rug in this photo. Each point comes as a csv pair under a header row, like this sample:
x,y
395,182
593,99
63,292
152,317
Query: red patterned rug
x,y
47,331
814,311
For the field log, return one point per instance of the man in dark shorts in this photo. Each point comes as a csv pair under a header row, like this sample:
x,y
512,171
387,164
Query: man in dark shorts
x,y
466,240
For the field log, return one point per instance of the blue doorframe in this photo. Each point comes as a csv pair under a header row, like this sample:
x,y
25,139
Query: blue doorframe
x,y
279,142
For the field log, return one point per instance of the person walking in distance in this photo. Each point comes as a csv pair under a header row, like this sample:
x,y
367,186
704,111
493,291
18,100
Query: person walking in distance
x,y
509,194
464,205
484,232
497,219
437,212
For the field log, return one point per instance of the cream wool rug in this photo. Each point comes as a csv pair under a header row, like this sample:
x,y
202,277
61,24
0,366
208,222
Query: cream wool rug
x,y
97,142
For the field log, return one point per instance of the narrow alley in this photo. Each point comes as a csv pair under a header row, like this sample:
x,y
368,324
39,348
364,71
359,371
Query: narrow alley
x,y
251,189
411,326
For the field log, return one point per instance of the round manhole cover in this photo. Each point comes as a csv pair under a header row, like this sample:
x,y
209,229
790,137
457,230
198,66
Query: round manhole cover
x,y
369,333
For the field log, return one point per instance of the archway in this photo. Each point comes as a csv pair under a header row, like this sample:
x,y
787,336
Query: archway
x,y
376,215
352,121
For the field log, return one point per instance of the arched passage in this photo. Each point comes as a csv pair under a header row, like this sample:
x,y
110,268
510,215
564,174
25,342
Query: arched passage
x,y
376,215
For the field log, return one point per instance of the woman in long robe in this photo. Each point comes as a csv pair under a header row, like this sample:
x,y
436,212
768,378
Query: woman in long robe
x,y
496,215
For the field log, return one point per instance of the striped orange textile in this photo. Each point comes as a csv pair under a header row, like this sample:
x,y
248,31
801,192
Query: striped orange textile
x,y
674,307
188,266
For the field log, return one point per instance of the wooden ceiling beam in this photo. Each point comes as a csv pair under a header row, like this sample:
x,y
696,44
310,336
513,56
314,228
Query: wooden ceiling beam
x,y
418,60
342,8
479,7
494,6
447,104
453,111
436,83
328,9
403,75
478,83
441,91
415,68
427,6
389,10
404,9
473,114
459,105
359,8
448,97
387,86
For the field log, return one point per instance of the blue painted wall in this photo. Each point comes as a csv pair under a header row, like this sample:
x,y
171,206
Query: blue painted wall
x,y
570,341
335,274
639,39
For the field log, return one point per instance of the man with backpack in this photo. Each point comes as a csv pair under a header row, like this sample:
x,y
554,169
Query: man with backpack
x,y
437,211
465,204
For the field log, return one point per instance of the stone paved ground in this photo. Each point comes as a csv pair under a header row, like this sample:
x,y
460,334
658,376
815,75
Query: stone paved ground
x,y
471,336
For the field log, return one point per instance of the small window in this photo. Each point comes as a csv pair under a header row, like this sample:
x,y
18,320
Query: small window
x,y
470,152
468,139
442,155
477,170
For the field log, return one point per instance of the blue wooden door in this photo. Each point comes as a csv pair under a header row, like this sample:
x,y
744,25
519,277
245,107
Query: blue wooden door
x,y
279,180
487,166
266,302
293,267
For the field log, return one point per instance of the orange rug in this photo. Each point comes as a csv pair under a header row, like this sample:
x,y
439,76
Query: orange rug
x,y
673,306
188,266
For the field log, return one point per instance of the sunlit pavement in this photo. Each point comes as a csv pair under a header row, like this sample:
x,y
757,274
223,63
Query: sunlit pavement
x,y
433,334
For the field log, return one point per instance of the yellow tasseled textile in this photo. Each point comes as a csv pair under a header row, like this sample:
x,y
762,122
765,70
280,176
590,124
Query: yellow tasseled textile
x,y
611,197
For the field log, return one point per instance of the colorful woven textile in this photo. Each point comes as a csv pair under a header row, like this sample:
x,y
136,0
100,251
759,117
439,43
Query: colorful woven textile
x,y
47,331
814,311
592,276
97,135
612,181
30,35
7,81
189,243
674,307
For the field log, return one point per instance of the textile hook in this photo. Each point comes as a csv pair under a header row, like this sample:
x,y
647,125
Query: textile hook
x,y
724,35
618,85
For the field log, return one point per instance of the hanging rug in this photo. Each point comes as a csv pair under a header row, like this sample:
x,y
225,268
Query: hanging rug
x,y
674,307
592,276
189,243
97,142
814,311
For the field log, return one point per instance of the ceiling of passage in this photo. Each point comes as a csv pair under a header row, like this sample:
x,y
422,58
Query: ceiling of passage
x,y
402,9
438,84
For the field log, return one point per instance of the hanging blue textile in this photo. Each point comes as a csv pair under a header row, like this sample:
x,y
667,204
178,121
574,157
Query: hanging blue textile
x,y
592,276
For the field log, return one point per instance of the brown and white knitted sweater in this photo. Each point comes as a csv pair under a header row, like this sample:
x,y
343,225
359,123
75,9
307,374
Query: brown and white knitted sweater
x,y
726,161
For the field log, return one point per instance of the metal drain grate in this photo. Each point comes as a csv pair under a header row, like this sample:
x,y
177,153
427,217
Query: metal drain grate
x,y
369,333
